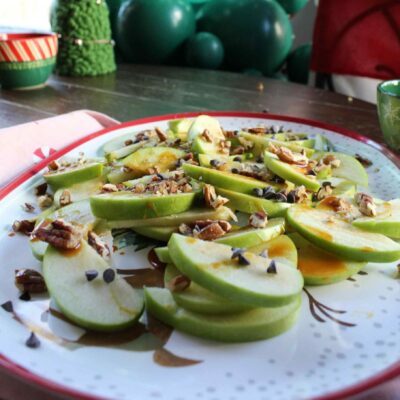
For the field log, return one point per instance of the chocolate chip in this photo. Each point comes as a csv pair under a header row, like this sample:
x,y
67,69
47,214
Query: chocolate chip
x,y
25,296
238,159
91,274
260,159
8,306
272,268
264,254
32,342
325,184
108,275
291,197
41,189
214,163
280,197
311,172
160,176
243,260
234,171
258,192
236,252
277,179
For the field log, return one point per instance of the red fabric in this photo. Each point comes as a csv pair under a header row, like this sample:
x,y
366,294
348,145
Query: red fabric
x,y
358,37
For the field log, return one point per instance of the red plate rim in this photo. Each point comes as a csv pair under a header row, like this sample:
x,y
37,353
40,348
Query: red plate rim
x,y
13,368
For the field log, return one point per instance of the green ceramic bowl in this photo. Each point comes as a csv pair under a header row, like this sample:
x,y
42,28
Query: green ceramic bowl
x,y
389,112
26,60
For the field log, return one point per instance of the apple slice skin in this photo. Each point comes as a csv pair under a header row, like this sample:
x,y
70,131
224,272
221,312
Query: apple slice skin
x,y
162,233
71,176
288,172
387,225
198,299
313,224
252,325
209,264
320,267
126,205
225,180
251,204
123,304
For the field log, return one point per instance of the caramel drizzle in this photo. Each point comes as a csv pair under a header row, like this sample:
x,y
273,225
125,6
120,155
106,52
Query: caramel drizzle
x,y
315,305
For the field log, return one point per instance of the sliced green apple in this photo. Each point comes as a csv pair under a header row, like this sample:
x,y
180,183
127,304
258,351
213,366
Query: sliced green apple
x,y
123,151
290,172
118,174
162,233
280,248
69,176
210,265
143,160
119,142
95,304
125,205
203,122
387,220
326,229
198,299
180,127
255,324
342,188
250,204
223,179
320,267
174,220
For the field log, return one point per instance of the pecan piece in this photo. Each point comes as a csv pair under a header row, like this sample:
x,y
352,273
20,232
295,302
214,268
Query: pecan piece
x,y
45,201
211,198
53,166
60,234
337,204
258,219
179,283
206,229
95,241
28,207
161,135
65,198
330,159
324,191
25,226
29,281
41,189
206,136
366,204
109,187
288,156
363,160
258,131
298,195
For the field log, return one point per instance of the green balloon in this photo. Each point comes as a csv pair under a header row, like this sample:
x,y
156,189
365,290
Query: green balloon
x,y
255,33
280,76
292,6
204,50
114,6
154,31
298,64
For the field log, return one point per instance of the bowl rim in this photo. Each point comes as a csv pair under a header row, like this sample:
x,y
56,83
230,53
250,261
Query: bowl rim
x,y
381,88
20,36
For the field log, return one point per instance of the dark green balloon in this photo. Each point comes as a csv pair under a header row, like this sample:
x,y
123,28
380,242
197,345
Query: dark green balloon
x,y
204,50
114,6
280,76
292,6
153,31
255,33
298,64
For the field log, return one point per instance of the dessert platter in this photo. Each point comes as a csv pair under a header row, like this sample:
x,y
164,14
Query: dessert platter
x,y
223,255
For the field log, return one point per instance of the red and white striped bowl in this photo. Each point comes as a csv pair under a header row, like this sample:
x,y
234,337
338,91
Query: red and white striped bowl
x,y
25,47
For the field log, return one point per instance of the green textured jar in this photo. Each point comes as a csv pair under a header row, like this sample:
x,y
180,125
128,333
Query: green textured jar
x,y
26,75
389,112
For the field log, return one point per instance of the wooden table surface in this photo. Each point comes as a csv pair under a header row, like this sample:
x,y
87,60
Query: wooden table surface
x,y
139,90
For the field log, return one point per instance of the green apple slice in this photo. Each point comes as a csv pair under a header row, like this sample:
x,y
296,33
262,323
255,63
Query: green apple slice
x,y
119,174
71,175
242,238
387,220
162,233
210,265
255,324
280,248
342,188
349,169
180,127
118,142
203,122
174,220
146,158
95,305
78,212
198,299
201,146
290,172
79,191
124,205
320,267
326,229
251,204
123,151
223,179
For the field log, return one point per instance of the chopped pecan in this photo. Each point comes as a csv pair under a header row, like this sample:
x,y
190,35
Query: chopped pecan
x,y
109,187
258,131
53,166
41,189
179,283
288,156
65,198
141,136
154,170
95,241
366,204
363,160
45,201
29,280
324,191
128,142
161,135
258,219
224,146
338,204
230,134
60,234
247,144
206,136
206,229
211,198
237,150
330,159
139,188
25,226
28,207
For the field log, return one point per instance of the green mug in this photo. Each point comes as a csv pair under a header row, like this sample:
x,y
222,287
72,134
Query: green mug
x,y
389,112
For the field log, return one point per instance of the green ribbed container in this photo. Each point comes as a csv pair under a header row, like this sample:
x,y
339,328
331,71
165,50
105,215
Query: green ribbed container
x,y
26,75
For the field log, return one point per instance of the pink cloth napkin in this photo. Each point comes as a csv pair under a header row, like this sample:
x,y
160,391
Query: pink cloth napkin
x,y
23,145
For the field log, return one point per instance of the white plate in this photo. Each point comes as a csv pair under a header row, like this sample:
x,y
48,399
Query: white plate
x,y
318,357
